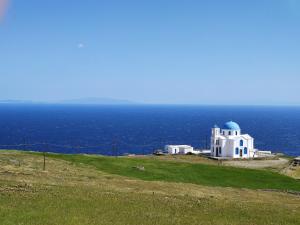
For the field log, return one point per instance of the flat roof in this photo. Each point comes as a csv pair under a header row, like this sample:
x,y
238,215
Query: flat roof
x,y
183,146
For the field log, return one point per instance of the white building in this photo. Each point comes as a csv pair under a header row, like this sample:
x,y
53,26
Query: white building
x,y
229,142
179,149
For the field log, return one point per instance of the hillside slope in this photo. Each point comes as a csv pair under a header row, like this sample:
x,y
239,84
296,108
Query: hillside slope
x,y
79,193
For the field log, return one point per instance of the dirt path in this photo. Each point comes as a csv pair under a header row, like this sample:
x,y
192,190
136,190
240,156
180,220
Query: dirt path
x,y
259,164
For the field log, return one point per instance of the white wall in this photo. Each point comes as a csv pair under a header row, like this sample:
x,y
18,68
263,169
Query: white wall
x,y
248,143
172,149
179,149
215,134
230,132
185,150
227,148
230,143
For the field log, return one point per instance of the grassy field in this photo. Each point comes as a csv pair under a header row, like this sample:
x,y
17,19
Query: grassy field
x,y
196,173
79,190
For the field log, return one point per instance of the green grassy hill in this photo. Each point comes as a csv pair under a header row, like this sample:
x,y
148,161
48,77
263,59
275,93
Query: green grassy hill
x,y
210,175
95,190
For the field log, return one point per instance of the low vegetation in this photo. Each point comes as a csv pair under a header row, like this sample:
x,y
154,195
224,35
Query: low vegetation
x,y
196,173
79,190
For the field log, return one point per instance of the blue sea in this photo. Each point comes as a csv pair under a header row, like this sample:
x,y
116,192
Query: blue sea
x,y
140,129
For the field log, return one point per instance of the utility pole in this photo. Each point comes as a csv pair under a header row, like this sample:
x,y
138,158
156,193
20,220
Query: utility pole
x,y
114,148
44,154
44,168
24,144
77,149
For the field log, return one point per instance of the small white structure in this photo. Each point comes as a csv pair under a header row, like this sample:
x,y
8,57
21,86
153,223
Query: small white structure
x,y
229,142
179,149
263,154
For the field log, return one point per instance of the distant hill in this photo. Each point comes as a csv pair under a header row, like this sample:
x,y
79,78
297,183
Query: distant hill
x,y
9,101
83,101
98,101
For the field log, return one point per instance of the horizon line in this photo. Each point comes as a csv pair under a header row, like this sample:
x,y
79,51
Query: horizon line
x,y
146,104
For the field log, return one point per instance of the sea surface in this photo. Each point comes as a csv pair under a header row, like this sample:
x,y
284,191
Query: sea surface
x,y
140,129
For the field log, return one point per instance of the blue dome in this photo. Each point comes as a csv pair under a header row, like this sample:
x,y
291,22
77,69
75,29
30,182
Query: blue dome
x,y
231,126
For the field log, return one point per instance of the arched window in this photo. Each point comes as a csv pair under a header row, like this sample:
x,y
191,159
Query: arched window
x,y
236,133
229,133
220,150
241,143
245,151
237,151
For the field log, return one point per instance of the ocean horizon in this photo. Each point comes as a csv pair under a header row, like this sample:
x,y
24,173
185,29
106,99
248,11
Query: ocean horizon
x,y
141,129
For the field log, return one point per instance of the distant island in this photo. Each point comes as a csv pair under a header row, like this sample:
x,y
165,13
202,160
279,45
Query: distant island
x,y
98,101
83,101
9,101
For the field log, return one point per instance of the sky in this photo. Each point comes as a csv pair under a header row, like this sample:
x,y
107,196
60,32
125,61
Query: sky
x,y
160,51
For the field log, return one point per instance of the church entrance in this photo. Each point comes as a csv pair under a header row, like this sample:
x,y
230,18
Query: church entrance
x,y
241,153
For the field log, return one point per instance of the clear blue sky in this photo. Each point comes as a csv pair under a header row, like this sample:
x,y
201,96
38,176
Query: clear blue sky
x,y
158,51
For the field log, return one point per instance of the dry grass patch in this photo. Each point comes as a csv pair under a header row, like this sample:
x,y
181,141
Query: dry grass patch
x,y
179,158
292,171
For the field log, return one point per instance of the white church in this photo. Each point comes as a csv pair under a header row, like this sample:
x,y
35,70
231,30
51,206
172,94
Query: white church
x,y
229,142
